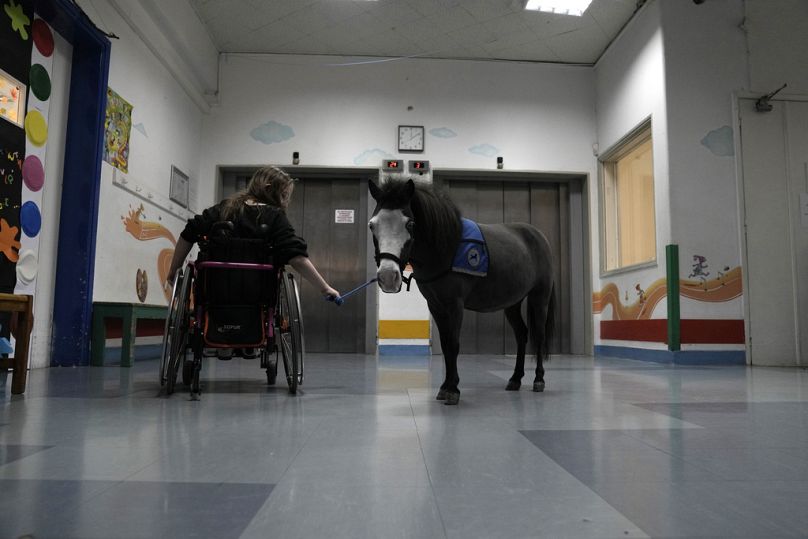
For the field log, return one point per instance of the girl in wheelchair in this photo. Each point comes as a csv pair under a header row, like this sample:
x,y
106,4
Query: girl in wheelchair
x,y
263,202
248,230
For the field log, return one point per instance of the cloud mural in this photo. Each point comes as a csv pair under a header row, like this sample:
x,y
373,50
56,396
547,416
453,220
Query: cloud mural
x,y
372,157
720,141
484,149
272,132
442,132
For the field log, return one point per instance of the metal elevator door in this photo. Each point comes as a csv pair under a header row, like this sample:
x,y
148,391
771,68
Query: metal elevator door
x,y
546,206
338,250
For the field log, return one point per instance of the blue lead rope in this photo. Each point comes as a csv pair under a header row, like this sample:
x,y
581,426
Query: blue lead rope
x,y
339,300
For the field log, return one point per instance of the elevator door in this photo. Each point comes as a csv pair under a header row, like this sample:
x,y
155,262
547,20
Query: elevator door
x,y
337,249
542,204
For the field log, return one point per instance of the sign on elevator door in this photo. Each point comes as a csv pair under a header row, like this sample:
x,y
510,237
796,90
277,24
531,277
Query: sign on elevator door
x,y
344,216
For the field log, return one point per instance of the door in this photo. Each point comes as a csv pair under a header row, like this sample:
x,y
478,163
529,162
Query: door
x,y
774,147
543,204
336,246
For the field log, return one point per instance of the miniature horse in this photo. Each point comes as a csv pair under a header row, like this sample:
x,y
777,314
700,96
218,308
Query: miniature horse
x,y
422,226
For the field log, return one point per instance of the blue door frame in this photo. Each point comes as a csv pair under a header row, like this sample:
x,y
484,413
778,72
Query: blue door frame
x,y
73,295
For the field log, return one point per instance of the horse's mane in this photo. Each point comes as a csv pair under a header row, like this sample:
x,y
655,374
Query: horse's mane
x,y
437,218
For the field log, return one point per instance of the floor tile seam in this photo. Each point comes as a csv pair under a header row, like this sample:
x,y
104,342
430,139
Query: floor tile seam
x,y
590,488
679,458
713,477
298,452
426,467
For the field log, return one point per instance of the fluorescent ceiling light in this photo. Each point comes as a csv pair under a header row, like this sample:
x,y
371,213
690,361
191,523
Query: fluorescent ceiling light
x,y
562,7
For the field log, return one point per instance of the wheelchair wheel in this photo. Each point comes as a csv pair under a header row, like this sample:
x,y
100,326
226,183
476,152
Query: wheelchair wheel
x,y
269,361
175,338
290,331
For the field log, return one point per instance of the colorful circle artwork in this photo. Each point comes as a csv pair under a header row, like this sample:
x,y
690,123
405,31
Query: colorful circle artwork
x,y
30,219
36,128
27,266
33,173
40,82
43,37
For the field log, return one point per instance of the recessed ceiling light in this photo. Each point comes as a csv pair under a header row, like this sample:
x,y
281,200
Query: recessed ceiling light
x,y
562,7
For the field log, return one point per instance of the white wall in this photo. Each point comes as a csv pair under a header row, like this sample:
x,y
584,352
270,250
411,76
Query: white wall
x,y
630,88
778,45
705,51
166,131
702,55
345,112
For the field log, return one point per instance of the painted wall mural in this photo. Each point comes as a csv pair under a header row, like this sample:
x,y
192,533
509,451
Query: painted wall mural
x,y
725,286
442,132
143,230
720,142
486,150
373,157
272,132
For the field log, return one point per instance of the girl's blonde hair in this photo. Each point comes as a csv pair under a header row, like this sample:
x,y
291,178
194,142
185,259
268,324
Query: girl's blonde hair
x,y
269,185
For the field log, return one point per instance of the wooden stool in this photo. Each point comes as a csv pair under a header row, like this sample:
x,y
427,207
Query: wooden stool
x,y
129,313
22,320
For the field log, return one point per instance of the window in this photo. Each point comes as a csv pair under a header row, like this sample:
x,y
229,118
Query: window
x,y
628,218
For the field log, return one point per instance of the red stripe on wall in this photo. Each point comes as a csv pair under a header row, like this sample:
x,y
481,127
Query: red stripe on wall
x,y
654,330
145,328
693,331
712,331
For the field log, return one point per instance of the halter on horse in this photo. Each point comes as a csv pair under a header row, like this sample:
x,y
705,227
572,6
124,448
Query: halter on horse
x,y
420,225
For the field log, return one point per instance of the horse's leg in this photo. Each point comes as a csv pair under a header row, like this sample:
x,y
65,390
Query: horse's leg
x,y
540,305
449,319
514,316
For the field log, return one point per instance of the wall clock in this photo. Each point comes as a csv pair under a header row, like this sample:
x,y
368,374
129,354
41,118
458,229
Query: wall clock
x,y
411,138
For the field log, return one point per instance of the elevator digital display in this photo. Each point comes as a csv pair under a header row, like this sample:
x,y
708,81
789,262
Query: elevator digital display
x,y
393,165
419,166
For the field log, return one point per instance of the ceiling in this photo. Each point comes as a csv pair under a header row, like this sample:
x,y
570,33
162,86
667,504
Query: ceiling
x,y
459,29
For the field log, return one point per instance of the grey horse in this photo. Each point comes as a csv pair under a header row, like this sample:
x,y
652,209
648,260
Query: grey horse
x,y
421,225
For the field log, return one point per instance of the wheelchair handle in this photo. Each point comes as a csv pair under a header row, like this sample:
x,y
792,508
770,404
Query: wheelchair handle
x,y
339,300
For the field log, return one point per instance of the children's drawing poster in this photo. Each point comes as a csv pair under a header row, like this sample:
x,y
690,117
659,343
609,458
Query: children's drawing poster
x,y
117,128
12,99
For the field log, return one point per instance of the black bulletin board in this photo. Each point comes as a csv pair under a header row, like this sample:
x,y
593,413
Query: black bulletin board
x,y
16,43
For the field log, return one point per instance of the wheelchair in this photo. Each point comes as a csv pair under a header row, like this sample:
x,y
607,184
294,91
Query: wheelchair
x,y
232,296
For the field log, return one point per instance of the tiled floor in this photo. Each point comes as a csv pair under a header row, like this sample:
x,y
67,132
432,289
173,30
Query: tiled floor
x,y
612,449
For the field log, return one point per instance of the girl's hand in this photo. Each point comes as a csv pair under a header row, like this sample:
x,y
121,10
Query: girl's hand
x,y
329,292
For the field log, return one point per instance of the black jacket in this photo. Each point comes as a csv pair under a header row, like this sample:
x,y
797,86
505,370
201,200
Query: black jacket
x,y
286,244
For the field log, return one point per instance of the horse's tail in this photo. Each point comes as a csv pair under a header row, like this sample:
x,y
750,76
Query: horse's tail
x,y
533,308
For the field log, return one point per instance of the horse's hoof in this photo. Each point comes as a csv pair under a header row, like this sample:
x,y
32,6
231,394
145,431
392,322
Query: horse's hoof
x,y
441,396
513,385
452,399
538,386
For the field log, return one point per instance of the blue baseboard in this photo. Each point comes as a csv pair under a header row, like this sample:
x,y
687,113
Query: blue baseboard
x,y
404,350
680,357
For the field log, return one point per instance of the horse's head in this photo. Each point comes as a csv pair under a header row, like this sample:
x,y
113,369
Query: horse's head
x,y
392,226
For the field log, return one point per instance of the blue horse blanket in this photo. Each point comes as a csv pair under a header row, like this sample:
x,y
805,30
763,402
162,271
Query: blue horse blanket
x,y
471,256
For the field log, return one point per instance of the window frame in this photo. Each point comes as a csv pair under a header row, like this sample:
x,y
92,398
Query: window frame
x,y
608,162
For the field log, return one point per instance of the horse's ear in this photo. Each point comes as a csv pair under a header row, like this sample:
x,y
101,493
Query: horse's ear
x,y
410,188
375,192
